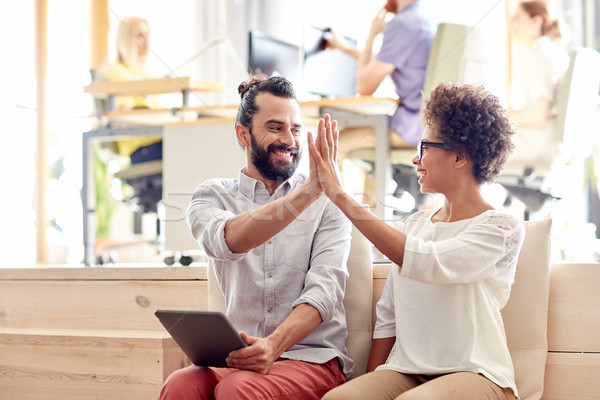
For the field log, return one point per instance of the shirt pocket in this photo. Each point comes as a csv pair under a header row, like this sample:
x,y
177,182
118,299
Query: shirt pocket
x,y
297,246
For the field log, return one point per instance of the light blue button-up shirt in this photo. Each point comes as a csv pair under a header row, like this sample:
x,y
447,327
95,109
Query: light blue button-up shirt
x,y
304,263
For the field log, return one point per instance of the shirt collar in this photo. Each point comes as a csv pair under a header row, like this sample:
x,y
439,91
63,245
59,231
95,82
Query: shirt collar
x,y
416,4
249,186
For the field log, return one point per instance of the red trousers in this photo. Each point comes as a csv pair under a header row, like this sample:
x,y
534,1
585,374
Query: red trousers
x,y
288,379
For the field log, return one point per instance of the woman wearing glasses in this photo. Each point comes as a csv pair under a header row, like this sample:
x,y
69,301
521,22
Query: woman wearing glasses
x,y
439,331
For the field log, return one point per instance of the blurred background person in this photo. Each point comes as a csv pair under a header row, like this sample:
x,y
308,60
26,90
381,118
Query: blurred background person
x,y
404,52
540,62
133,41
133,44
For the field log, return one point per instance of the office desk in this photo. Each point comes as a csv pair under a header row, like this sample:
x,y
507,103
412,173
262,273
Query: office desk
x,y
143,87
190,156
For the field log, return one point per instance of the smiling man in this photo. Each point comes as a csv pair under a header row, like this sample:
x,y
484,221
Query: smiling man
x,y
279,251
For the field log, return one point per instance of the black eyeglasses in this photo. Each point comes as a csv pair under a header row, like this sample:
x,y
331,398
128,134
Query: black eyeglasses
x,y
424,143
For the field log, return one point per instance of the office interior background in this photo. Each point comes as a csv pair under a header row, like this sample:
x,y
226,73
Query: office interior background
x,y
50,50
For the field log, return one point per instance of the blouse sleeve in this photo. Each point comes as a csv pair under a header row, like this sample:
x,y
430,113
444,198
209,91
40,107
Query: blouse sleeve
x,y
479,252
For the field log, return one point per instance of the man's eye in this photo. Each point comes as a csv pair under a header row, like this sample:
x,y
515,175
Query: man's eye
x,y
296,132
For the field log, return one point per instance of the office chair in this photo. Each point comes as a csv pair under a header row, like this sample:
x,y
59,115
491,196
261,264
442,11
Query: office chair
x,y
574,126
458,55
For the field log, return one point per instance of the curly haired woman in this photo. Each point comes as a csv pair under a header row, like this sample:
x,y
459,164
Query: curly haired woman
x,y
439,331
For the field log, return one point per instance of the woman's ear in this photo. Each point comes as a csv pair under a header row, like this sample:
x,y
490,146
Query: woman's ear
x,y
243,135
461,159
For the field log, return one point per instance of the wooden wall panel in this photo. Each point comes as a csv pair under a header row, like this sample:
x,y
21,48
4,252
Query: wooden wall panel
x,y
89,365
124,304
572,376
574,308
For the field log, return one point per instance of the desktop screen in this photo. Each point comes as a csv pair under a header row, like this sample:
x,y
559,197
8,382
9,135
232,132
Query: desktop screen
x,y
327,72
273,57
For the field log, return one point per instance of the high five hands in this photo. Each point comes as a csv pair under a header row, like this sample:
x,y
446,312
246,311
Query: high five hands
x,y
323,149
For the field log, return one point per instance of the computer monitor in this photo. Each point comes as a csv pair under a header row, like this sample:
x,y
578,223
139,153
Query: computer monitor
x,y
327,72
273,57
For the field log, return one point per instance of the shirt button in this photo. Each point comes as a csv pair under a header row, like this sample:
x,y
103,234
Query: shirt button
x,y
269,275
269,309
269,241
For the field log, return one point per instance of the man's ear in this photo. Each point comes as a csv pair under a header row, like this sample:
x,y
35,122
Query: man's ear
x,y
243,135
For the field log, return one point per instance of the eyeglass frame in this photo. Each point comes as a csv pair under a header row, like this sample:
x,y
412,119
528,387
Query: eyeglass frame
x,y
425,143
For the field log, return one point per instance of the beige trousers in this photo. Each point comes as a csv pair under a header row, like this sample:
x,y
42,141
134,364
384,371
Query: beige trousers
x,y
392,385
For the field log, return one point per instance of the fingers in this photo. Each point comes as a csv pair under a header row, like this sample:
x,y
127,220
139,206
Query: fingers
x,y
313,153
247,338
326,141
328,149
381,13
331,135
319,139
336,138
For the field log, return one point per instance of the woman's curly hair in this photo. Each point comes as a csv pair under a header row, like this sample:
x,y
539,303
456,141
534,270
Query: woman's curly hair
x,y
470,119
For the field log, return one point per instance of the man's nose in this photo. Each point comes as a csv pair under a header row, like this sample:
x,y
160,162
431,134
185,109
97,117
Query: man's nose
x,y
287,137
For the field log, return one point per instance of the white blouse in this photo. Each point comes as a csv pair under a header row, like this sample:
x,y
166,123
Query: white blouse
x,y
443,306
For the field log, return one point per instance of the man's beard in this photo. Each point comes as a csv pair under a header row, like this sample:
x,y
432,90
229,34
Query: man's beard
x,y
391,6
275,171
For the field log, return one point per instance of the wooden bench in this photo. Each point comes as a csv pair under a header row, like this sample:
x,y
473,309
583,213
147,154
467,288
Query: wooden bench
x,y
90,333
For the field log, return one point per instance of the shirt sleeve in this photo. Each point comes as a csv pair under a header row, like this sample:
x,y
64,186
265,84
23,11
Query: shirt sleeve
x,y
325,282
207,216
470,256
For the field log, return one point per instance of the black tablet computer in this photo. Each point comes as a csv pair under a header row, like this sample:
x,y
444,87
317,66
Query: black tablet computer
x,y
206,337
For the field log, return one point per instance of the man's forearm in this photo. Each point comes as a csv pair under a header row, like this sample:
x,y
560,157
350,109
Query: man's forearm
x,y
253,228
298,325
366,55
352,51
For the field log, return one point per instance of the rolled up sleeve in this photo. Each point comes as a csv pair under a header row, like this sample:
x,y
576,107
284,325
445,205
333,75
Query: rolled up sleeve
x,y
206,216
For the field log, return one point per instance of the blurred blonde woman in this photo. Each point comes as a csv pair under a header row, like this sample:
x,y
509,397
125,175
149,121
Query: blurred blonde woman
x,y
133,40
